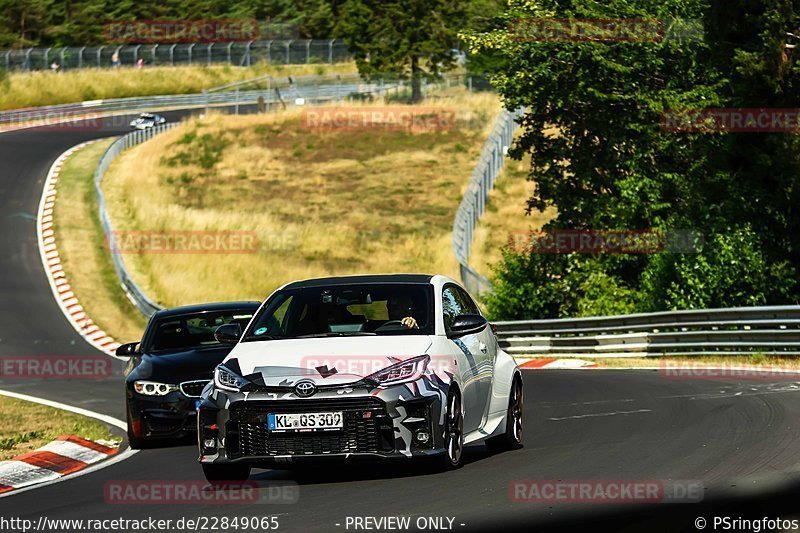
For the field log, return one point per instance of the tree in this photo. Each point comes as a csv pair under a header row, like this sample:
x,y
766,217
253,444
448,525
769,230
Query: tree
x,y
409,39
612,165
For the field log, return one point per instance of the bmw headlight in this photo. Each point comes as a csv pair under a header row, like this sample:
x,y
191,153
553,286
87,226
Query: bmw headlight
x,y
225,379
153,388
402,372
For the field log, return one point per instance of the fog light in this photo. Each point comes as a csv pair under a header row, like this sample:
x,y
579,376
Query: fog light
x,y
423,436
209,443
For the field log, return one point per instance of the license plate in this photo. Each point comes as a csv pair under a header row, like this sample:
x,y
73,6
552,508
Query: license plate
x,y
305,421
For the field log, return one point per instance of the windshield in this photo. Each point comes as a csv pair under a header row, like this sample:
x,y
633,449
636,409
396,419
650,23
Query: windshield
x,y
192,331
346,310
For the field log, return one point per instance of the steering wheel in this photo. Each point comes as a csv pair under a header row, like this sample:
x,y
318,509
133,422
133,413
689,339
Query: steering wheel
x,y
391,324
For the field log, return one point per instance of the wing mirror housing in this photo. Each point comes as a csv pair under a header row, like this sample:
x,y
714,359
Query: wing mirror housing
x,y
466,324
130,349
228,333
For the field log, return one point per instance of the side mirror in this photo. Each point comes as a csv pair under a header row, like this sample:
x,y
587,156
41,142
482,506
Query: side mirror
x,y
466,324
228,333
128,350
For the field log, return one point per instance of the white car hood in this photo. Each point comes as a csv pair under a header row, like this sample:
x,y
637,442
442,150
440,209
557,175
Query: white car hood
x,y
329,360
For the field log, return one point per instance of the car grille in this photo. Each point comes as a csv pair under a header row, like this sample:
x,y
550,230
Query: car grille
x,y
248,436
193,389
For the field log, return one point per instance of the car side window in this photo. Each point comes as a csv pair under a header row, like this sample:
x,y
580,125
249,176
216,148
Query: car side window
x,y
451,306
467,304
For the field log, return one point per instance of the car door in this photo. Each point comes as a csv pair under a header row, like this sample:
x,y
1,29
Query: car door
x,y
468,345
485,355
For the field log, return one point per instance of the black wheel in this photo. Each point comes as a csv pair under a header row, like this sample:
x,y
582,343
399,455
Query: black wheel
x,y
453,432
136,443
512,438
220,473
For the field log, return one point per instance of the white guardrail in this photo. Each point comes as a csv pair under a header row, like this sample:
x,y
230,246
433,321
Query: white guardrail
x,y
477,194
743,330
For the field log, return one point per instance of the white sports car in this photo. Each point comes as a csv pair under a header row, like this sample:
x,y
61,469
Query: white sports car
x,y
359,367
147,121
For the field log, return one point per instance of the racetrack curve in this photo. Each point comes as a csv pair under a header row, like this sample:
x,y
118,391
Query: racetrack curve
x,y
739,439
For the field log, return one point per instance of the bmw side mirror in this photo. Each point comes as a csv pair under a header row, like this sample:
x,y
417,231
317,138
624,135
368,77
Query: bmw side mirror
x,y
128,350
228,333
466,324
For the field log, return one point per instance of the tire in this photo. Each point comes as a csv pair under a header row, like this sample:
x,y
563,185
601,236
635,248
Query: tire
x,y
453,433
221,473
135,443
512,438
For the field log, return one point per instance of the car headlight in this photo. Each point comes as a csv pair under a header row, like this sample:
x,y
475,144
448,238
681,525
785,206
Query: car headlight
x,y
226,380
153,388
402,372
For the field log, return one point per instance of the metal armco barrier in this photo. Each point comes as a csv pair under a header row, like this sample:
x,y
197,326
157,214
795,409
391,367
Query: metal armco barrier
x,y
744,330
474,202
246,53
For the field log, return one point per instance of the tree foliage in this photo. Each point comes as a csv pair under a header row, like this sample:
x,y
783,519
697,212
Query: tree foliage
x,y
611,164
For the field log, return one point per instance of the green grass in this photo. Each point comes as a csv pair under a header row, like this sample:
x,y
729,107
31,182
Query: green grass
x,y
82,248
25,426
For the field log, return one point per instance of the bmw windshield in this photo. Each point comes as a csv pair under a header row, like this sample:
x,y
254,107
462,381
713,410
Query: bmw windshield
x,y
345,310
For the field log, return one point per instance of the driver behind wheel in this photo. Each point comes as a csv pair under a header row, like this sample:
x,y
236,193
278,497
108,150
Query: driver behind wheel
x,y
401,308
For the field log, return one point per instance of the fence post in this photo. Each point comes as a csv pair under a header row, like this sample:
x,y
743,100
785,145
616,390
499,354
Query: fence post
x,y
229,53
136,53
62,56
330,51
172,55
191,47
46,57
80,57
210,46
8,60
289,51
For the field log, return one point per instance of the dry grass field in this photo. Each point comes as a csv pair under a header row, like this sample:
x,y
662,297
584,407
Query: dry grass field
x,y
320,202
38,88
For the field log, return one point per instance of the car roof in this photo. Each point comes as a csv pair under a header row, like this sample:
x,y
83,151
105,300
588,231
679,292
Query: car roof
x,y
351,280
207,308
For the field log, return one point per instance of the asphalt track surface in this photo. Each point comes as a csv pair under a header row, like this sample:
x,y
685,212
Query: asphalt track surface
x,y
740,440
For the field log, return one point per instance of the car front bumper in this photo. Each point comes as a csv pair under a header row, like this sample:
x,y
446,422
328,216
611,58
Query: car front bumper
x,y
384,423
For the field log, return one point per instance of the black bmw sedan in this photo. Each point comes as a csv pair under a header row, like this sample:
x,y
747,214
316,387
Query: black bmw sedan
x,y
172,364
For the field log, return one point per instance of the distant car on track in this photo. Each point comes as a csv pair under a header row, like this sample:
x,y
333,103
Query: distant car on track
x,y
168,370
387,366
147,120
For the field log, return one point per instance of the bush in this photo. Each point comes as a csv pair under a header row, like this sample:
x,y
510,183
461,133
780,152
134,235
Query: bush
x,y
731,270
